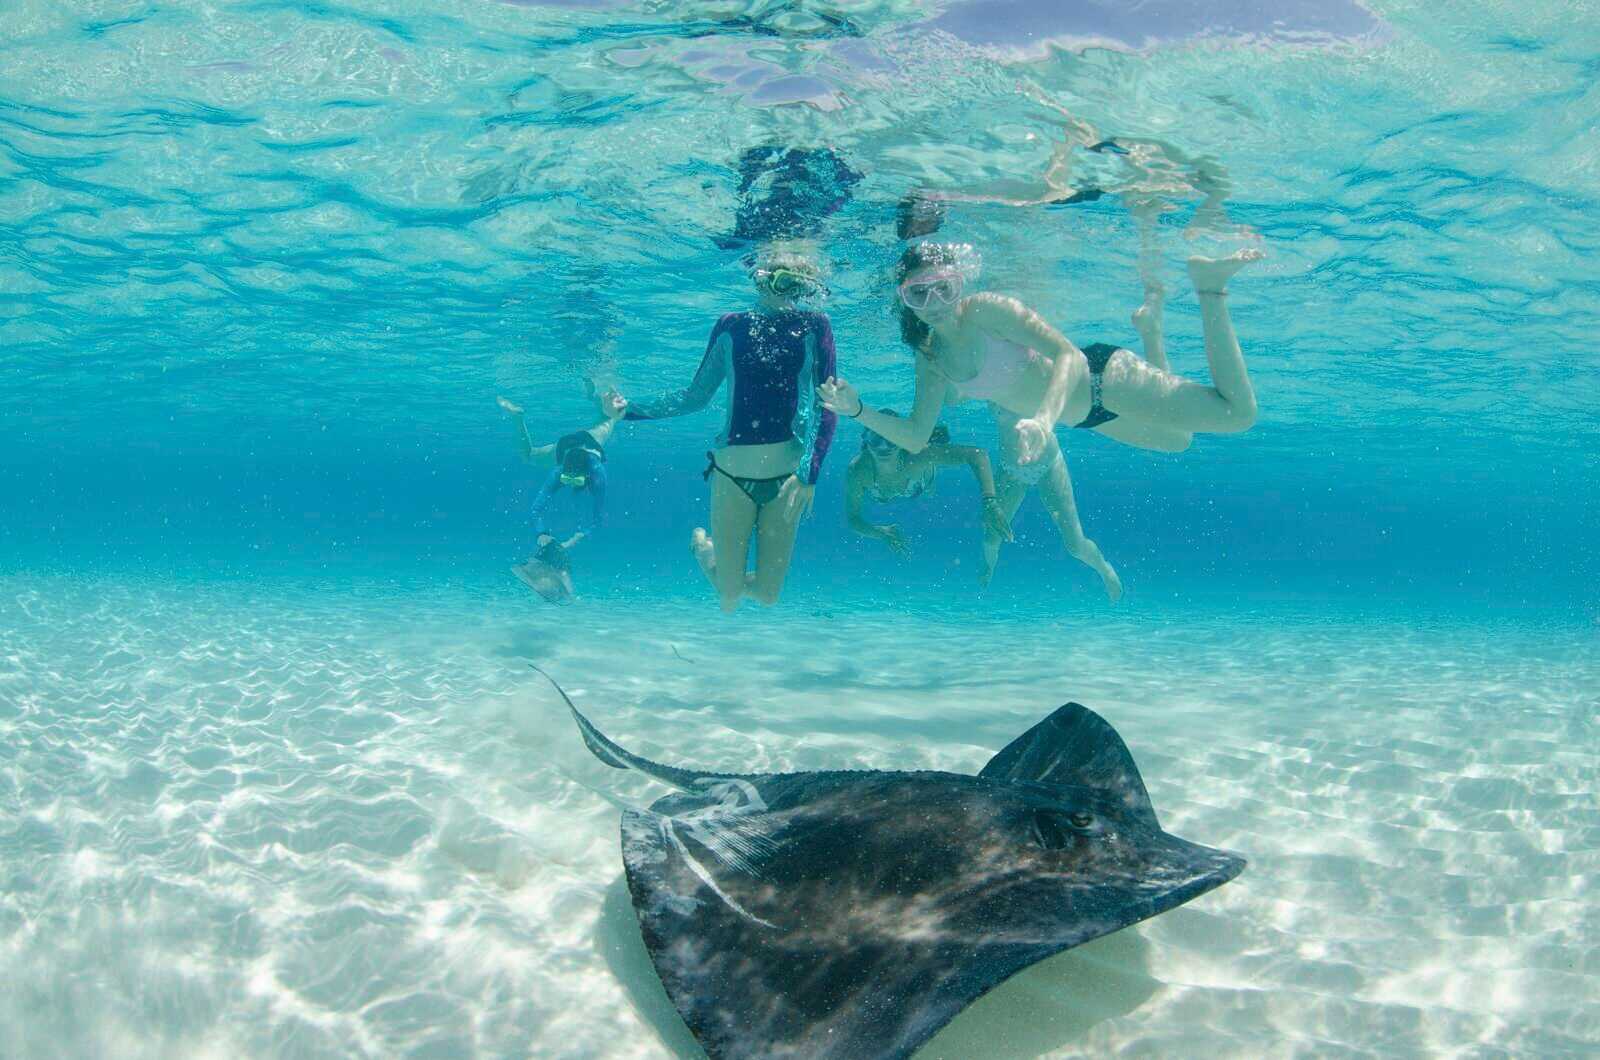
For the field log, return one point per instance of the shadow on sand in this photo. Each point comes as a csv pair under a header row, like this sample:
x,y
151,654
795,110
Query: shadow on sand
x,y
536,644
1042,1009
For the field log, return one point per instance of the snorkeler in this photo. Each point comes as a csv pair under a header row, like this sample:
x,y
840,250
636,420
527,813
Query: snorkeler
x,y
989,347
579,465
764,471
892,474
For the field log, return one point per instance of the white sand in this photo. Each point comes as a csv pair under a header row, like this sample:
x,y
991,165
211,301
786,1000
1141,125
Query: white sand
x,y
280,822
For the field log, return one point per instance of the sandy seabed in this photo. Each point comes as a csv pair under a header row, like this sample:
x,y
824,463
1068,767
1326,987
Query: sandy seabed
x,y
306,821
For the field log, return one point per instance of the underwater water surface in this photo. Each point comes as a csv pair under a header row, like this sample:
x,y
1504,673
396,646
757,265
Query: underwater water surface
x,y
275,776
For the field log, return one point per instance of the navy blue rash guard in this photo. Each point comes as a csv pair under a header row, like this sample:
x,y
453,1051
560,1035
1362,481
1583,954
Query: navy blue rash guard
x,y
773,363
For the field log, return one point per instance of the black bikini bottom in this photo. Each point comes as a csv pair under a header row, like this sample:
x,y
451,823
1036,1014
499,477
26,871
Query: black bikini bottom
x,y
761,491
1098,355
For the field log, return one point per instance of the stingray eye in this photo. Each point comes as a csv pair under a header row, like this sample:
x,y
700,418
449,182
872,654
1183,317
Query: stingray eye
x,y
1057,829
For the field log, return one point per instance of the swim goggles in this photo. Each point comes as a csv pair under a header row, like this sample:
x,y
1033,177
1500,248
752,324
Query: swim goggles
x,y
944,286
576,482
786,282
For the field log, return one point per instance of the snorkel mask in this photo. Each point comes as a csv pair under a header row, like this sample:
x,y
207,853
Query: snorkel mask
x,y
945,271
787,272
787,282
576,465
943,287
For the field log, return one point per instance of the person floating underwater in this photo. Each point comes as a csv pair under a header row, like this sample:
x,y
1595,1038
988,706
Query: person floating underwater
x,y
992,348
775,432
579,465
890,474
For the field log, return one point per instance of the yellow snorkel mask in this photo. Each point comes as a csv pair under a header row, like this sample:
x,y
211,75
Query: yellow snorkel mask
x,y
788,283
788,272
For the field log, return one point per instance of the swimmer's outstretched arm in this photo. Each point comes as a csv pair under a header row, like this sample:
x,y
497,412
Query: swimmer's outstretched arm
x,y
910,433
855,495
708,379
970,456
994,518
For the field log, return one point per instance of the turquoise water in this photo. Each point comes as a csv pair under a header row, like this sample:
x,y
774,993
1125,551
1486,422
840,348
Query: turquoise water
x,y
275,779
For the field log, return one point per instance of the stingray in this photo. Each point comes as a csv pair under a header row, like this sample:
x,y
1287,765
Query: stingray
x,y
548,573
853,913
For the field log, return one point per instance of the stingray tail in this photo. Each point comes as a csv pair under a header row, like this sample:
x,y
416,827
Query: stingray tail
x,y
619,757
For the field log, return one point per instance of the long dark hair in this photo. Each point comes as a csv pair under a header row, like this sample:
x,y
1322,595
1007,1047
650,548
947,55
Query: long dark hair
x,y
915,333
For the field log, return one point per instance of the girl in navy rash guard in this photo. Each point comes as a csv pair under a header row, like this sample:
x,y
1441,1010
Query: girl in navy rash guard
x,y
764,471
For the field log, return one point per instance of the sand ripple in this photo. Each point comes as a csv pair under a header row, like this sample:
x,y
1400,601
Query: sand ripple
x,y
289,822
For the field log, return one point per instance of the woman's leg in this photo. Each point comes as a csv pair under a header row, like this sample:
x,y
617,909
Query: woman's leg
x,y
1141,391
1142,434
1228,373
723,553
1055,489
1015,479
775,534
1147,319
1010,493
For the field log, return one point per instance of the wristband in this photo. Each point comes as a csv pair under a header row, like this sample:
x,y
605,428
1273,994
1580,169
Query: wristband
x,y
861,406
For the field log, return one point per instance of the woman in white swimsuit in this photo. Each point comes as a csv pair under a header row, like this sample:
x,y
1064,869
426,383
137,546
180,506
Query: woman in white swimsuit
x,y
988,347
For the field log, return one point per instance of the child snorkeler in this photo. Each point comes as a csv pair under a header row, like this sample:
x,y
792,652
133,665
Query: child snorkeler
x,y
578,461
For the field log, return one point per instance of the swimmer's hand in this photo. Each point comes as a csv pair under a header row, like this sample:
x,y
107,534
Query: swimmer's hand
x,y
839,396
613,404
1032,437
509,405
995,521
891,535
796,498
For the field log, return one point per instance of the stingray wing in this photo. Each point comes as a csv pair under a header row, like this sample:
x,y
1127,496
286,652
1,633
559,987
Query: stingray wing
x,y
755,955
1074,747
856,929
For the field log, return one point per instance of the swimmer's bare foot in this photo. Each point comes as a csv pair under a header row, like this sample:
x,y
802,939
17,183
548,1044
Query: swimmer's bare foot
x,y
1147,318
1211,275
1147,322
1113,583
509,405
704,553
